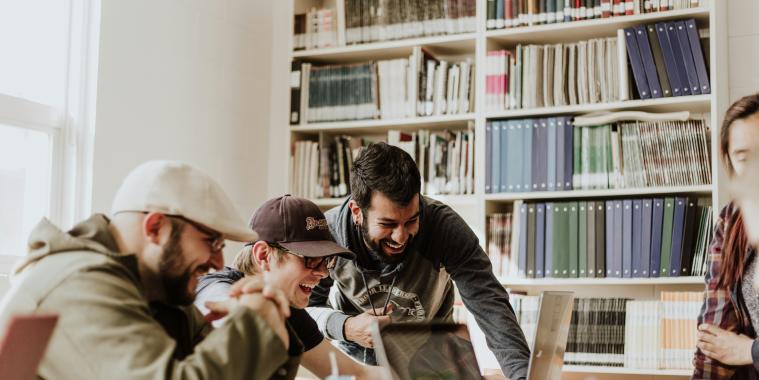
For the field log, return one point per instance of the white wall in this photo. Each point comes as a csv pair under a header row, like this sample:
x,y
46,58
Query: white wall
x,y
743,47
187,80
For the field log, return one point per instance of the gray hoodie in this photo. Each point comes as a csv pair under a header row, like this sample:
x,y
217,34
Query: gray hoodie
x,y
107,328
444,249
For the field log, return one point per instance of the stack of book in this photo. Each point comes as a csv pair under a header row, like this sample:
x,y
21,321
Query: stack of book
x,y
535,76
668,324
499,241
420,85
666,59
515,13
549,154
445,158
323,171
382,20
315,29
597,332
660,237
616,332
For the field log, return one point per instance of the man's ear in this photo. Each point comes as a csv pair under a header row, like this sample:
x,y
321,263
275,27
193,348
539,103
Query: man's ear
x,y
356,212
261,254
151,226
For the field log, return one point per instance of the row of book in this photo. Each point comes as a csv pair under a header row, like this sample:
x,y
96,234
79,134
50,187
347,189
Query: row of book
x,y
616,332
445,160
515,13
660,237
550,154
666,59
315,29
383,20
420,85
535,76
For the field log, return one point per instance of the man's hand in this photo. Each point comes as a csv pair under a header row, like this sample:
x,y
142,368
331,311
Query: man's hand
x,y
358,328
253,285
725,346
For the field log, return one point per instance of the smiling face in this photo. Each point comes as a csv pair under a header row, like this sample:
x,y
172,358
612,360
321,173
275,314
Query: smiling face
x,y
185,257
289,273
388,228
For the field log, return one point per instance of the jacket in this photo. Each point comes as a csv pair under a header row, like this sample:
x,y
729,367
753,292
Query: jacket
x,y
107,329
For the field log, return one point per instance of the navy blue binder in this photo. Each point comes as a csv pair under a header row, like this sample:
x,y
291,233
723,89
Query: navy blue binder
x,y
657,220
698,56
649,65
677,51
627,220
645,238
636,63
678,227
637,229
673,73
690,65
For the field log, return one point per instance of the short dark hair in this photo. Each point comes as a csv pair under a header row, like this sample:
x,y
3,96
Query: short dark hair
x,y
386,169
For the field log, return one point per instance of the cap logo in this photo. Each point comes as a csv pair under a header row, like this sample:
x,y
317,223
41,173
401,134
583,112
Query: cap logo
x,y
313,224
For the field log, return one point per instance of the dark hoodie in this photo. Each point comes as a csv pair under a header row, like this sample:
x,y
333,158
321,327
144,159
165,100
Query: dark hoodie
x,y
445,249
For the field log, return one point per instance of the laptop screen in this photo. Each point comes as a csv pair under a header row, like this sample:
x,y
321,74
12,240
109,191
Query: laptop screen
x,y
427,351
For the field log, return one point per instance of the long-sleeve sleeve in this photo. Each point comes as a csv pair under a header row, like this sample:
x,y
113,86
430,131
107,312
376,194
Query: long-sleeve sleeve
x,y
331,322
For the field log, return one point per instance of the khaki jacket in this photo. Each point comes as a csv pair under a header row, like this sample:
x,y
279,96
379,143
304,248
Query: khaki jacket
x,y
106,328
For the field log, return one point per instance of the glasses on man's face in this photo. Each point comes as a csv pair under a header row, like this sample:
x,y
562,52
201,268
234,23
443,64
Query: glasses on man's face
x,y
311,262
214,239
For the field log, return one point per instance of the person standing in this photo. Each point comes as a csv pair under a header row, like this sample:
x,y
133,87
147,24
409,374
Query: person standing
x,y
410,250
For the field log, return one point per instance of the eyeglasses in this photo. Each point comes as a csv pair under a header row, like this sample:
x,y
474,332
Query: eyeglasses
x,y
310,262
214,239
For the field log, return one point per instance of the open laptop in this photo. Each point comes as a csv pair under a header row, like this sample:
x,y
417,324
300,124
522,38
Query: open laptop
x,y
411,351
23,345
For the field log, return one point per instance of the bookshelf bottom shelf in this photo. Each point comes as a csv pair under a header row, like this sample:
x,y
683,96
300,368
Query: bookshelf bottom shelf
x,y
626,371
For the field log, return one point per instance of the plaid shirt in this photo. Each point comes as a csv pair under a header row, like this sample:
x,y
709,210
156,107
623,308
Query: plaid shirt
x,y
723,308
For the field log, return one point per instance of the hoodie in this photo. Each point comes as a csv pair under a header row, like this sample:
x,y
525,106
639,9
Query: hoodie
x,y
444,251
106,327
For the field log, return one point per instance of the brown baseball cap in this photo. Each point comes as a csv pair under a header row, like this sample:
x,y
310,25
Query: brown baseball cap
x,y
298,225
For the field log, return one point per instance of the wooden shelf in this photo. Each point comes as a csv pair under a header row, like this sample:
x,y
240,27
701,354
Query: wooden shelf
x,y
693,103
445,45
600,193
382,126
583,30
690,280
626,371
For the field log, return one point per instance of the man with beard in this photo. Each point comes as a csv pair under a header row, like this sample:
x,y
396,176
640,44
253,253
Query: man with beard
x,y
409,251
123,288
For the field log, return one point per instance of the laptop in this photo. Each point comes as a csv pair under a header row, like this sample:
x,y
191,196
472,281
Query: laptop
x,y
429,350
23,345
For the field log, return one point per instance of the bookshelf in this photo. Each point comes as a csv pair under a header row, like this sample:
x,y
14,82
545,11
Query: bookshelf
x,y
476,207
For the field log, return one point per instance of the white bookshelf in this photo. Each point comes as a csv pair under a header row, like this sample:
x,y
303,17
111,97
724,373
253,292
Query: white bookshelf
x,y
475,208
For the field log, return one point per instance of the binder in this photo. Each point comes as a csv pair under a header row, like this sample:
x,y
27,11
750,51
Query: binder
x,y
637,227
522,271
572,222
514,159
636,63
678,228
687,55
645,237
508,167
295,89
627,220
670,64
657,222
551,152
495,158
600,239
540,238
591,239
698,56
539,154
527,157
648,61
582,239
609,242
618,239
666,237
488,157
685,81
548,270
531,235
692,213
661,67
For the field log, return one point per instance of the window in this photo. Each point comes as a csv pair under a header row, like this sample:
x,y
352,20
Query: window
x,y
47,96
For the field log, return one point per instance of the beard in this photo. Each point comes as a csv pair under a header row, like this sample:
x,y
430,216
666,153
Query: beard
x,y
375,247
175,287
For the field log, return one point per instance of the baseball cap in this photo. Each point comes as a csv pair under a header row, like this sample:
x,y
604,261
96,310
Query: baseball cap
x,y
298,225
175,188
